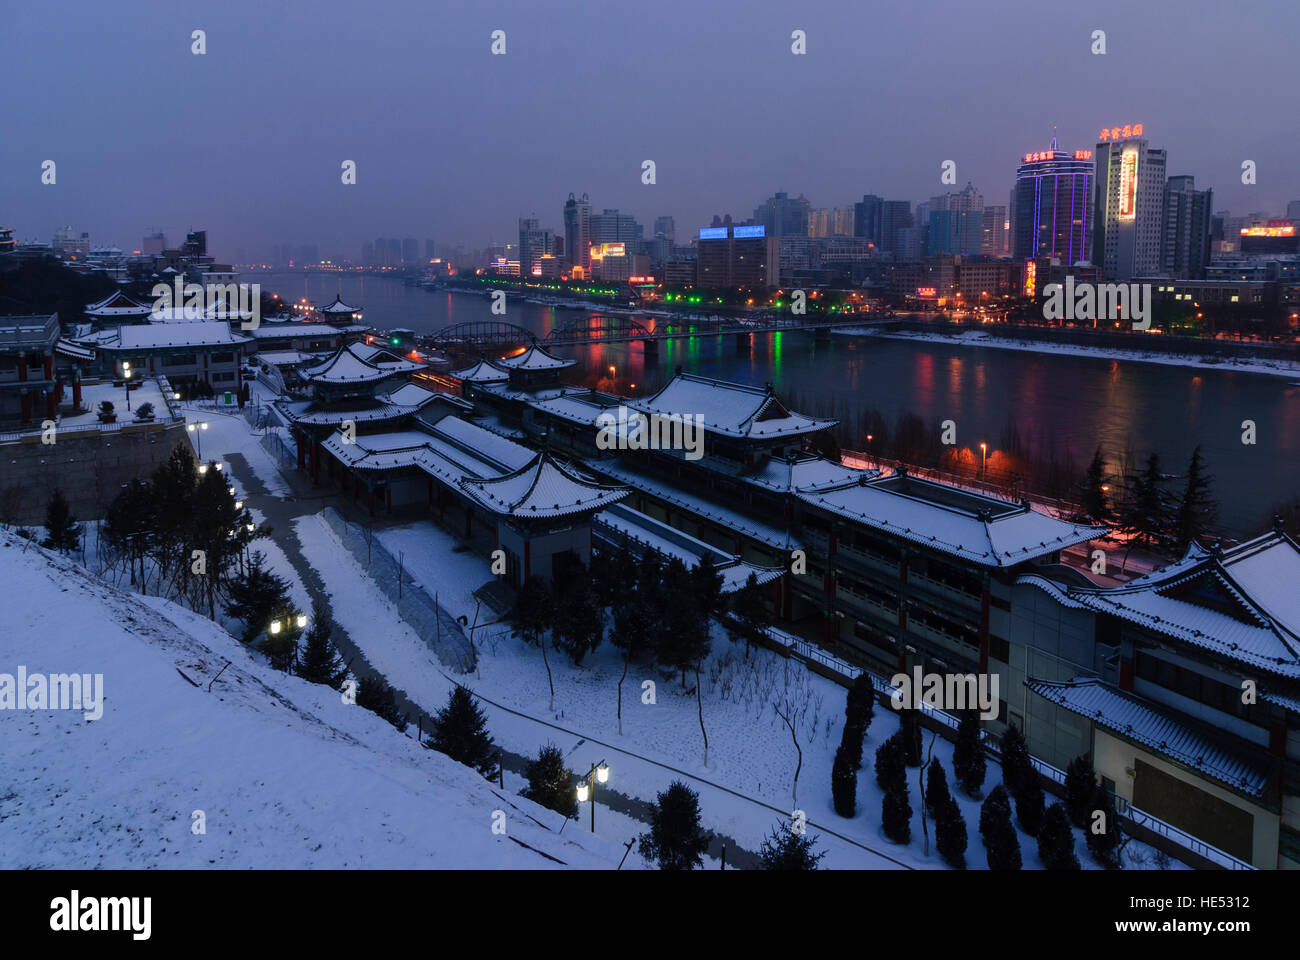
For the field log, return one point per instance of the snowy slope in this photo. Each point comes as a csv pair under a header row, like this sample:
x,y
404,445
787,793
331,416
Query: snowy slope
x,y
286,774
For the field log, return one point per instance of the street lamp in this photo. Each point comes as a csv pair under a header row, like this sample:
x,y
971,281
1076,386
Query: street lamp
x,y
126,380
984,459
599,773
196,429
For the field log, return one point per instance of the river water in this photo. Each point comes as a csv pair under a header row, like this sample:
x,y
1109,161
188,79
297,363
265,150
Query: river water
x,y
1063,403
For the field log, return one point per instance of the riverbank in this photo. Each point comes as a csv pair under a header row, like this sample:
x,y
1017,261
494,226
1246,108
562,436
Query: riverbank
x,y
977,338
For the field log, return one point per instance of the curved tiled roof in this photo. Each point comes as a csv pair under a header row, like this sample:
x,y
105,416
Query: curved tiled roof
x,y
731,409
542,488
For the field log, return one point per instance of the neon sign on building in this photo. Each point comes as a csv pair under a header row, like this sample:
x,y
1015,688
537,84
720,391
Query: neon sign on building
x,y
1128,176
1120,133
1031,274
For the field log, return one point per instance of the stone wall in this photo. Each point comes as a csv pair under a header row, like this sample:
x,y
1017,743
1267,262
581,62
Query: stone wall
x,y
88,466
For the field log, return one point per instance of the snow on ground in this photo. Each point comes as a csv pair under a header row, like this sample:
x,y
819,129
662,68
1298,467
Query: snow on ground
x,y
746,786
976,338
228,432
286,774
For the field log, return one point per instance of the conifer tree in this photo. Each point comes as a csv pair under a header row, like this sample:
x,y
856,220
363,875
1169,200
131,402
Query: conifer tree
x,y
1080,781
62,532
909,728
785,849
844,783
550,782
950,831
1017,769
968,759
676,840
1056,840
460,731
859,705
1196,512
318,661
280,642
579,619
937,794
1001,842
1029,807
1093,497
1102,829
896,815
890,765
1145,511
253,594
375,695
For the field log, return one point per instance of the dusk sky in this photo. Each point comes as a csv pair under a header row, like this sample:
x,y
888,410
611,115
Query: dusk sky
x,y
454,143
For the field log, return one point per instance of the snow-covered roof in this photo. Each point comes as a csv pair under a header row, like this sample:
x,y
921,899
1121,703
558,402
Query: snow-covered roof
x,y
1141,721
154,336
542,488
360,363
76,351
803,473
294,328
485,371
1243,604
535,358
969,525
574,405
729,409
407,399
117,304
338,306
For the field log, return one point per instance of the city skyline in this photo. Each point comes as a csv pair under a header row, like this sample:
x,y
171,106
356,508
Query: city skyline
x,y
430,165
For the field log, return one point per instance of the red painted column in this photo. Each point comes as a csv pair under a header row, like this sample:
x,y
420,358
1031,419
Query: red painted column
x,y
49,366
1126,674
51,404
22,367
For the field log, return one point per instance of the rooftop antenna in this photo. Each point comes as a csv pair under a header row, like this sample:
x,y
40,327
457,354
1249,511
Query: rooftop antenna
x,y
1054,144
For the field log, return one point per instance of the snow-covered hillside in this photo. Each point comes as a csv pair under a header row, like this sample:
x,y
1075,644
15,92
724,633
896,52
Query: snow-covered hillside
x,y
284,772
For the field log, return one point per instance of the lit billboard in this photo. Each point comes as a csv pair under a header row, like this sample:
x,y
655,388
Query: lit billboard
x,y
1128,185
741,233
713,233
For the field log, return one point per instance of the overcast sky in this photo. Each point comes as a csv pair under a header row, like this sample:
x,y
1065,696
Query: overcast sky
x,y
454,143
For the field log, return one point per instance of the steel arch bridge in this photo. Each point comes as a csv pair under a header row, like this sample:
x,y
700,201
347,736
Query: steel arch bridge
x,y
598,327
483,333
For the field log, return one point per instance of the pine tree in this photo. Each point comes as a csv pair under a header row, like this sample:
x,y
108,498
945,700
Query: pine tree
x,y
950,832
937,794
318,661
785,849
859,705
1197,511
61,530
1102,829
1017,769
1056,840
890,766
1080,780
550,782
129,523
1029,808
1001,843
851,744
909,728
749,609
534,609
1145,512
252,596
579,619
896,815
377,696
968,759
460,731
280,643
675,841
844,783
1093,497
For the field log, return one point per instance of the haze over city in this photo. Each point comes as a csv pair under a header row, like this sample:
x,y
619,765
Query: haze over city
x,y
454,143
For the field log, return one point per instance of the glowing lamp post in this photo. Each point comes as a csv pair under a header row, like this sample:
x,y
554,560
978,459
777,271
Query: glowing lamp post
x,y
599,773
984,459
197,429
126,380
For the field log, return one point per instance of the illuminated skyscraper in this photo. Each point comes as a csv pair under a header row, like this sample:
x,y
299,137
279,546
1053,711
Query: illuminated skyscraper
x,y
577,231
1129,205
1053,206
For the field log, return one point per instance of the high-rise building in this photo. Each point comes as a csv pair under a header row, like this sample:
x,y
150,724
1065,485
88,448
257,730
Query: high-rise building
x,y
995,232
665,227
783,215
154,245
738,256
196,245
393,256
611,226
1053,202
410,251
534,243
428,249
1128,213
1185,248
577,231
894,216
867,217
367,254
1293,210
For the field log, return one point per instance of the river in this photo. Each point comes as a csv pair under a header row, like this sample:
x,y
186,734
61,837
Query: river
x,y
1064,403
